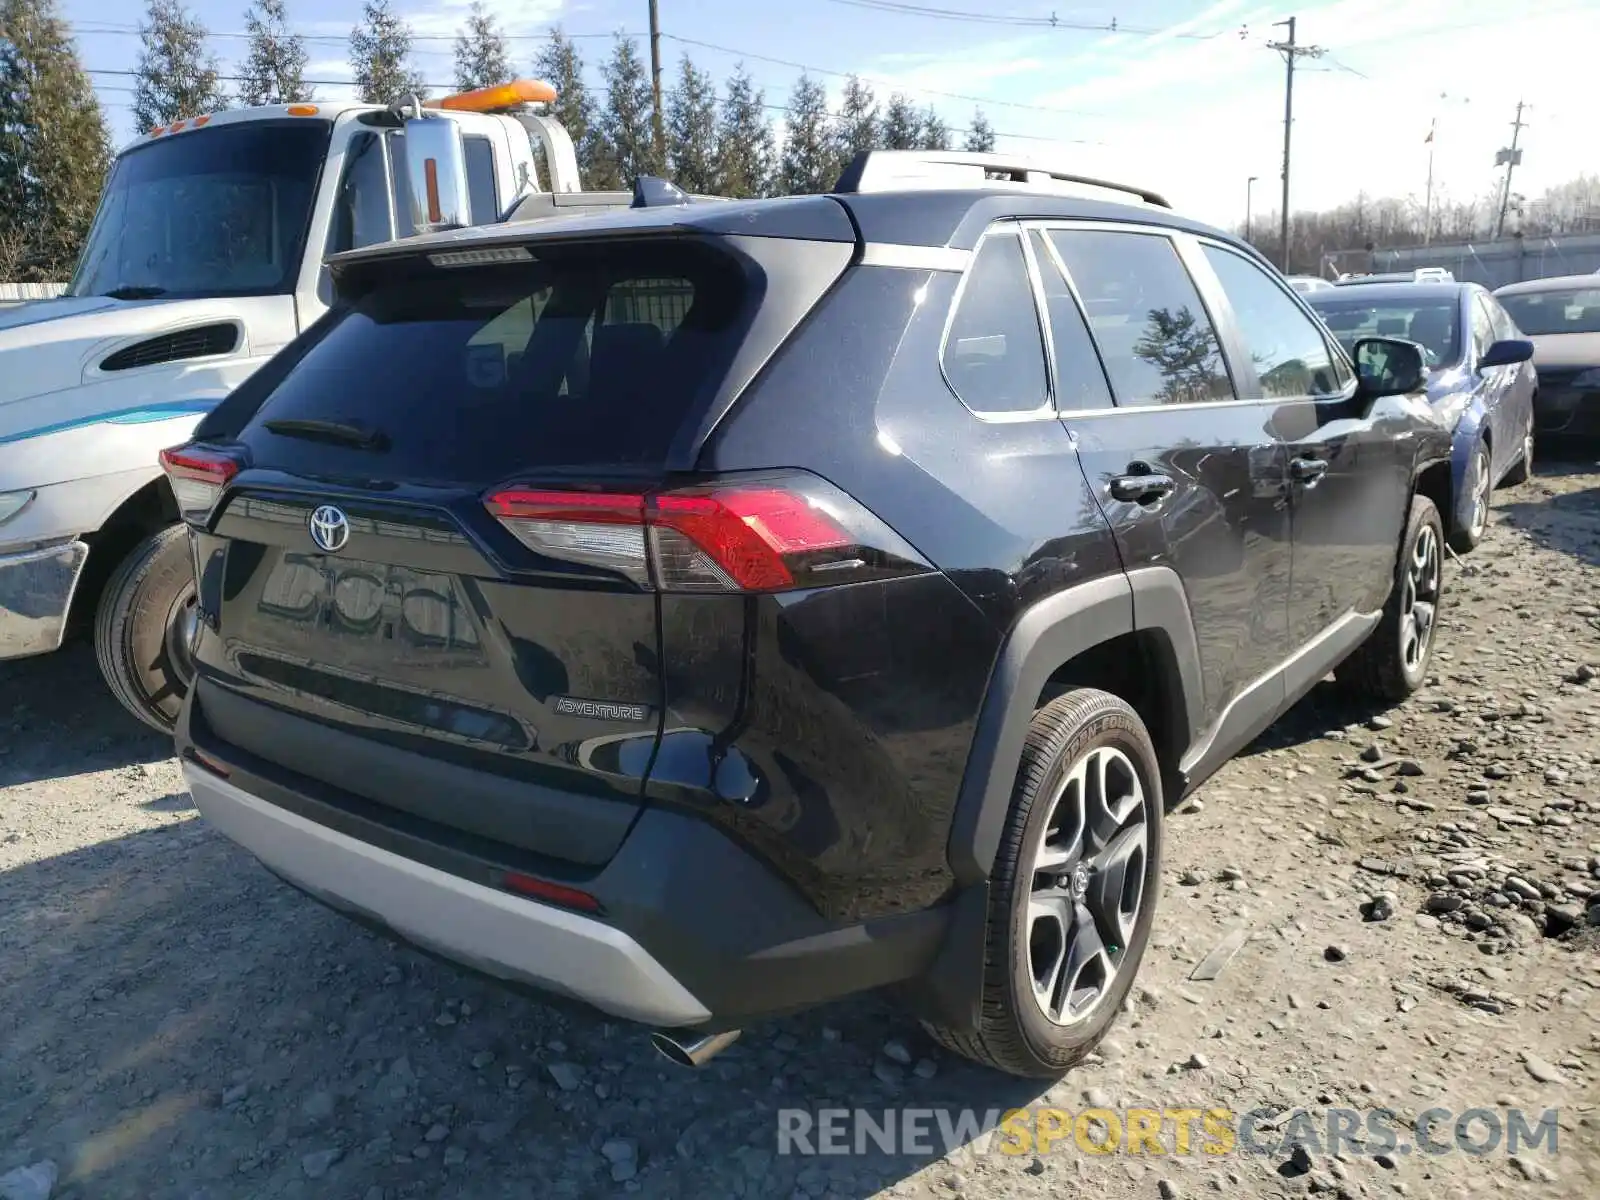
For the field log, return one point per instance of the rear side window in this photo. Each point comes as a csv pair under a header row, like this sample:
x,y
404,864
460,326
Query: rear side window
x,y
1155,337
593,356
994,352
1289,352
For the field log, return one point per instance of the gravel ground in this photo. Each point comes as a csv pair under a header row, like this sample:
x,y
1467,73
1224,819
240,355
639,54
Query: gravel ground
x,y
1410,893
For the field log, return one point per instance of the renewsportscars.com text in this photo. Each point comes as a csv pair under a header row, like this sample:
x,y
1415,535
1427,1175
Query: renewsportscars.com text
x,y
1165,1131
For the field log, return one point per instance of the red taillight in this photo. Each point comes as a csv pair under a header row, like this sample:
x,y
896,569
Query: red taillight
x,y
737,539
556,893
197,478
762,536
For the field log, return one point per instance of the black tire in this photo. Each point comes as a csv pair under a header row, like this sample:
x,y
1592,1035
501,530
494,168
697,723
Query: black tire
x,y
136,639
1383,667
1465,535
1523,471
1014,1034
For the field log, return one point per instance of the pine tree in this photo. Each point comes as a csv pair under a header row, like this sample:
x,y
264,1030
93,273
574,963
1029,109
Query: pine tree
x,y
561,66
744,140
176,76
482,59
692,130
980,138
625,121
859,128
902,124
275,67
380,52
808,151
935,133
53,145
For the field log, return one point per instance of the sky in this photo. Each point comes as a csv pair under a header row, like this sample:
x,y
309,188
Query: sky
x,y
1185,97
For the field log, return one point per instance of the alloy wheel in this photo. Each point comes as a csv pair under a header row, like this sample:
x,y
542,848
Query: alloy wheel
x,y
1420,602
1478,518
1087,884
183,630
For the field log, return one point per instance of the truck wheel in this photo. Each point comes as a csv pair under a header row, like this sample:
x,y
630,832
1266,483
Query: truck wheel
x,y
1473,521
144,627
1393,661
1074,888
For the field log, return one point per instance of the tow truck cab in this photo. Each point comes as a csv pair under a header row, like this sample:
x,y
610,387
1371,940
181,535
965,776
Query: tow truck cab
x,y
204,260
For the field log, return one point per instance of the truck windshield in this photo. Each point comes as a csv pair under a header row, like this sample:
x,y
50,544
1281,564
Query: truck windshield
x,y
216,212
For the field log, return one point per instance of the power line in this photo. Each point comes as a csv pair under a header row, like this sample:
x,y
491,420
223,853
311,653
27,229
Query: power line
x,y
337,39
450,87
1022,22
986,101
815,70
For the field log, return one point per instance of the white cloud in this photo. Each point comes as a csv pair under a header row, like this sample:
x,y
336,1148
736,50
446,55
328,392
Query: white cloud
x,y
446,17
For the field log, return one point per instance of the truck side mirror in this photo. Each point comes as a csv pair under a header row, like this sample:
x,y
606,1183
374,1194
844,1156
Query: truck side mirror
x,y
436,175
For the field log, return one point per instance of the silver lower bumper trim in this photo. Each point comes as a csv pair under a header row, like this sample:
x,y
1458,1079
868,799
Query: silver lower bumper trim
x,y
36,590
490,931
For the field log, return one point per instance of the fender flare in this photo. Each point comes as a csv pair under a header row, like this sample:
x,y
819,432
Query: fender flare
x,y
1051,633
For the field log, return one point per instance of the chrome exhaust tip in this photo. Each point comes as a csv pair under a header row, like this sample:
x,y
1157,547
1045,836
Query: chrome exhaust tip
x,y
693,1052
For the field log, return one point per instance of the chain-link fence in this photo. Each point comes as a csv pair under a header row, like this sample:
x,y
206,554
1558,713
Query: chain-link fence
x,y
1491,263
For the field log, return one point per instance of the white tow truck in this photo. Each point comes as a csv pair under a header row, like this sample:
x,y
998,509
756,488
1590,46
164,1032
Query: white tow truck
x,y
205,259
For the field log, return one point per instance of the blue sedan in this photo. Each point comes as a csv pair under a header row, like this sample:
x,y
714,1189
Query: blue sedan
x,y
1480,379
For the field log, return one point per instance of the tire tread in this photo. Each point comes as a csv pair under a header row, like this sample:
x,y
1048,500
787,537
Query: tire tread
x,y
111,646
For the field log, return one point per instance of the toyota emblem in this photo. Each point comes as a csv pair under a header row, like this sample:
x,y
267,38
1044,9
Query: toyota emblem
x,y
330,528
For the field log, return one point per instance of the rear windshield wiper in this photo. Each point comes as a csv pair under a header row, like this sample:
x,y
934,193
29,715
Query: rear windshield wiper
x,y
135,291
346,433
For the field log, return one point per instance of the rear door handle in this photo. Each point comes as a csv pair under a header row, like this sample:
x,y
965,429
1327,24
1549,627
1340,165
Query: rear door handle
x,y
1307,470
1141,489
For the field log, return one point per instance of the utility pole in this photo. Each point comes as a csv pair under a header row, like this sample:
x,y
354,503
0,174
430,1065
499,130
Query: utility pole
x,y
1509,158
655,86
1290,51
1427,208
1249,191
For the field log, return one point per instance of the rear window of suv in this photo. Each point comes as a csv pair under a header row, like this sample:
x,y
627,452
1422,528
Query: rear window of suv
x,y
589,356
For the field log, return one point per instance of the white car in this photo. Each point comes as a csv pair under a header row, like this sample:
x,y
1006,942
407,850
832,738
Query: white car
x,y
1309,283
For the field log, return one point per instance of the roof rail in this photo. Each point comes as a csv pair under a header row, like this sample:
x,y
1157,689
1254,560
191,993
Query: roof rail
x,y
898,170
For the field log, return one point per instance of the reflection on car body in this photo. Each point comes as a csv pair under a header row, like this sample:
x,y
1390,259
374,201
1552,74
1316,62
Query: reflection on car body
x,y
359,598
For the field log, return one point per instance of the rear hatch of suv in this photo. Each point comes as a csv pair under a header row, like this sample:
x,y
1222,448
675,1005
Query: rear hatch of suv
x,y
426,583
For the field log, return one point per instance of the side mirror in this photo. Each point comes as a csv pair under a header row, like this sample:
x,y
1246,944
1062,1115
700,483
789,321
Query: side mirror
x,y
1389,367
1506,352
436,175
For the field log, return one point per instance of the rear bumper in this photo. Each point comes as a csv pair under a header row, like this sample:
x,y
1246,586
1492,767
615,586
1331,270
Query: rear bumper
x,y
490,931
36,589
693,929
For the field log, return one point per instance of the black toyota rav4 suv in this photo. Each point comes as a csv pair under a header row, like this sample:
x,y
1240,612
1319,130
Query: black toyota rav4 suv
x,y
707,610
